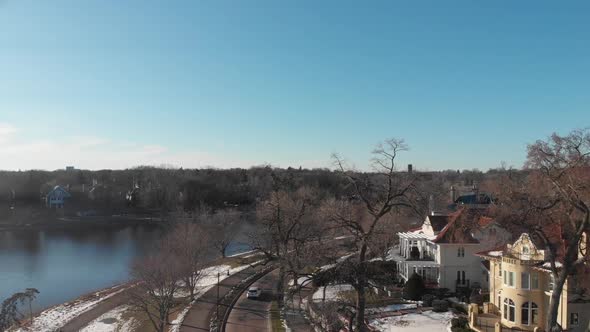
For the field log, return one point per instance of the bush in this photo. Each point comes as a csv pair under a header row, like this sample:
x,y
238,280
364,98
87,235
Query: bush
x,y
427,300
459,322
441,293
414,288
440,306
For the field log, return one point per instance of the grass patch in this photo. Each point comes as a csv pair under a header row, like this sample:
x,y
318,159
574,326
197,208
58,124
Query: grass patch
x,y
275,318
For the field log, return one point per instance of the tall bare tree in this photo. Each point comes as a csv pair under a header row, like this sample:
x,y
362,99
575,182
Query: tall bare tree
x,y
224,227
283,224
374,196
553,204
188,243
158,277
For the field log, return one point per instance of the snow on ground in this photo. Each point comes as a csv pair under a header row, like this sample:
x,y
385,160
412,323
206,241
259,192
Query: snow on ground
x,y
301,281
495,253
249,253
332,292
428,321
111,321
55,317
392,307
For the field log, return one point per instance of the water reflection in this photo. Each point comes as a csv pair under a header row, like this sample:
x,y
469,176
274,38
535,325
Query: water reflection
x,y
64,264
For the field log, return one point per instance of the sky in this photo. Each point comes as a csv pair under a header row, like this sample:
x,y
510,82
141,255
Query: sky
x,y
116,84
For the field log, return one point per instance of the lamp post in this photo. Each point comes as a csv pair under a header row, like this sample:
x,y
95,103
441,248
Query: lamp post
x,y
217,307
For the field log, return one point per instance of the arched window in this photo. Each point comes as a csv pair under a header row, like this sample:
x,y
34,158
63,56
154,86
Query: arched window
x,y
529,313
509,309
534,313
524,314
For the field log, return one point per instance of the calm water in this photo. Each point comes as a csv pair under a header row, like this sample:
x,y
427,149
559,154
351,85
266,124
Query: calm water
x,y
64,264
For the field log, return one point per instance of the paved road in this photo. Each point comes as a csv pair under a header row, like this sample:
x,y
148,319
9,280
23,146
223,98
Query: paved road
x,y
249,315
199,316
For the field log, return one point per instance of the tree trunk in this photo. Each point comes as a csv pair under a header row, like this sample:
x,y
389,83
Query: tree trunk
x,y
552,313
361,297
281,282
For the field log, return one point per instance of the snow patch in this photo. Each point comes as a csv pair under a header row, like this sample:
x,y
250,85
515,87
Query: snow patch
x,y
111,321
54,318
332,292
426,321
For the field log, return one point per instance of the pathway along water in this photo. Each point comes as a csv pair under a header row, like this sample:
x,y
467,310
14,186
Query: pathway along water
x,y
64,264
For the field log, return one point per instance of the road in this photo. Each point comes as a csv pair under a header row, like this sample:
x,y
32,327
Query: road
x,y
199,316
249,315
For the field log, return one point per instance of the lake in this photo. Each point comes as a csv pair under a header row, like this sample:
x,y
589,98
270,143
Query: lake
x,y
64,264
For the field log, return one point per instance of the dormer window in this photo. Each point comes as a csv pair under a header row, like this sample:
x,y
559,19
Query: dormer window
x,y
525,250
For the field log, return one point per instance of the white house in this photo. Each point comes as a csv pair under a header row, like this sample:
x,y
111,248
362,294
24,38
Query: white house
x,y
442,249
56,197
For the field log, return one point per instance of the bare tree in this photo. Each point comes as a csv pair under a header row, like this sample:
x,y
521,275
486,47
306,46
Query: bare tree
x,y
283,222
225,226
158,277
188,243
374,196
553,204
10,313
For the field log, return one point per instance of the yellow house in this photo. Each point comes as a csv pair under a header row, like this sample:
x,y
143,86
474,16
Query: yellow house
x,y
520,288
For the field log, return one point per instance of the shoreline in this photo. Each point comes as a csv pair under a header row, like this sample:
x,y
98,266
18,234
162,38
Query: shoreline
x,y
92,299
76,222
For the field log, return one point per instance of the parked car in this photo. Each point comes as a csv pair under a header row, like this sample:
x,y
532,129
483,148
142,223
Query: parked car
x,y
253,293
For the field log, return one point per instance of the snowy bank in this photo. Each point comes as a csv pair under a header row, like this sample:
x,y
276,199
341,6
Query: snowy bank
x,y
427,321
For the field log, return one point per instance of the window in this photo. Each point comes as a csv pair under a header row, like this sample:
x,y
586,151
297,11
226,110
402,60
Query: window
x,y
463,277
505,278
524,314
574,318
458,275
534,313
461,252
529,313
525,250
509,309
534,280
525,280
499,269
509,278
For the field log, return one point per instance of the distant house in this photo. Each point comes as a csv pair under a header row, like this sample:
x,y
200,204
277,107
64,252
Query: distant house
x,y
56,197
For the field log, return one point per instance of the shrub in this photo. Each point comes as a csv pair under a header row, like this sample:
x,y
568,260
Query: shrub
x,y
427,300
440,306
414,288
459,322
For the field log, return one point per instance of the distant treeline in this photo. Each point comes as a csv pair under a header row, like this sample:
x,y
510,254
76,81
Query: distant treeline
x,y
167,189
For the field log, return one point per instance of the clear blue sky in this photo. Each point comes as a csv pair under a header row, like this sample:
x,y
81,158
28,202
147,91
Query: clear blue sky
x,y
114,84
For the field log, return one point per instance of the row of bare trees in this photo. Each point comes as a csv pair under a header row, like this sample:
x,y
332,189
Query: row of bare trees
x,y
169,277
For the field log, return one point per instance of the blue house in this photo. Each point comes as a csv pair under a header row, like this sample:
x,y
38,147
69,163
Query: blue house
x,y
56,197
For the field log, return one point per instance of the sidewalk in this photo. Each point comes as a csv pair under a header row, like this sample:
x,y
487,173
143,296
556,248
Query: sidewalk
x,y
199,316
295,317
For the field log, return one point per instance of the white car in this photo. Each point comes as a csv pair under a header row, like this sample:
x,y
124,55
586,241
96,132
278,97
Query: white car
x,y
253,293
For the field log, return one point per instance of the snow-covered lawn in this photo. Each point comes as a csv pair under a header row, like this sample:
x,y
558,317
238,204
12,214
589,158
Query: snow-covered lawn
x,y
392,307
332,292
301,281
55,317
111,321
428,321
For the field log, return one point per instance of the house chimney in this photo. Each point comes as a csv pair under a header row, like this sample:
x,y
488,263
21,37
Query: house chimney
x,y
431,205
453,194
409,168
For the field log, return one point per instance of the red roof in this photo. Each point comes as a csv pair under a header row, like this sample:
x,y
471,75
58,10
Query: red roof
x,y
484,221
459,227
